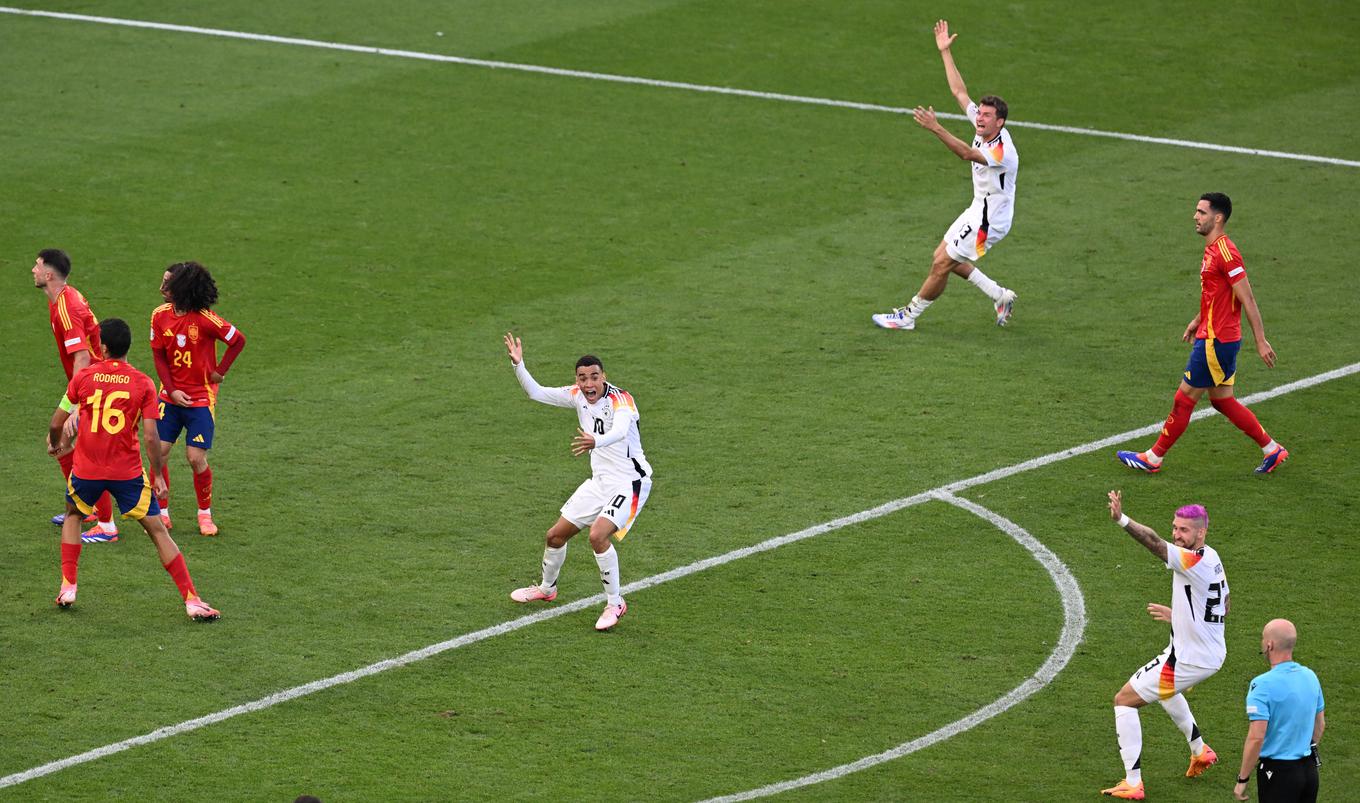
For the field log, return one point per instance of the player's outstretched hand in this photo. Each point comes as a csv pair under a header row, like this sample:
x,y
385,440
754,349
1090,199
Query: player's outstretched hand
x,y
582,443
1159,612
515,347
1267,353
1116,504
942,38
925,117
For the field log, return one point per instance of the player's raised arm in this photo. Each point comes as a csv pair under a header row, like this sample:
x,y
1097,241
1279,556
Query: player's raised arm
x,y
557,397
1141,533
925,117
943,41
1242,290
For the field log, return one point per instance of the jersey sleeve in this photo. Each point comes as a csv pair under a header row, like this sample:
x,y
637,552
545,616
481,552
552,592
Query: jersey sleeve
x,y
71,319
625,413
219,327
1182,561
73,392
557,397
1258,702
150,404
1229,261
971,112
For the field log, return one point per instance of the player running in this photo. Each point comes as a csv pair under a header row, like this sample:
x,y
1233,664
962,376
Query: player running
x,y
1225,293
988,218
1199,604
77,333
116,402
620,479
184,335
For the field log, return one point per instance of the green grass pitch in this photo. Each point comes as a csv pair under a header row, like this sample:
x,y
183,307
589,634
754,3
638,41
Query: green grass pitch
x,y
375,224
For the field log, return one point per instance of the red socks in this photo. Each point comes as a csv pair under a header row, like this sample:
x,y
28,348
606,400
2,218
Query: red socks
x,y
1242,418
70,562
203,487
1176,423
179,572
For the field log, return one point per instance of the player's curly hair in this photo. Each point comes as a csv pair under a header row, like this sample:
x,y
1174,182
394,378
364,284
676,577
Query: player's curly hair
x,y
191,287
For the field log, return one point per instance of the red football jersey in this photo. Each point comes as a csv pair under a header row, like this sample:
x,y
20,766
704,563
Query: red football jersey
x,y
114,397
190,345
74,326
1220,316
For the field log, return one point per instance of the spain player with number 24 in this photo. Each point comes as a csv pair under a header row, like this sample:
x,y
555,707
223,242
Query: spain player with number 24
x,y
184,336
116,404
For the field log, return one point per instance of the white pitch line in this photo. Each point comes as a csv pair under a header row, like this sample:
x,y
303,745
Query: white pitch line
x,y
1074,626
647,582
629,79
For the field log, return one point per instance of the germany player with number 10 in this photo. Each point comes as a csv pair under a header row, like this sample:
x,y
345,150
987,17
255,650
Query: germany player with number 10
x,y
184,336
116,403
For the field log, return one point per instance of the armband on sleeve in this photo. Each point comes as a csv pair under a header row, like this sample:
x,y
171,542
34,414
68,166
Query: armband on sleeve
x,y
65,405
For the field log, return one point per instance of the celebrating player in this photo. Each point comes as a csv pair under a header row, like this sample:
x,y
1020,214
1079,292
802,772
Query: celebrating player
x,y
620,479
988,218
1225,293
77,334
184,335
1199,604
116,403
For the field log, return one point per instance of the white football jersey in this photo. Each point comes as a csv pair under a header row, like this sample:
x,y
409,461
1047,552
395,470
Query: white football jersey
x,y
612,419
994,182
1199,593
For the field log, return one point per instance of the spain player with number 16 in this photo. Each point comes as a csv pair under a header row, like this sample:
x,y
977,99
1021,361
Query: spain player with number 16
x,y
116,403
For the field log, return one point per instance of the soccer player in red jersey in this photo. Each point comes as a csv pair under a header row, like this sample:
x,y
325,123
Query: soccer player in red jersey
x,y
116,402
1225,293
184,335
77,333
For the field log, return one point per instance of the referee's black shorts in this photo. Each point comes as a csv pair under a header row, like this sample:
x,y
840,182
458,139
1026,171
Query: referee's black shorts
x,y
1294,781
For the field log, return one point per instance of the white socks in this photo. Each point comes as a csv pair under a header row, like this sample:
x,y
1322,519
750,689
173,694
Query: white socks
x,y
986,285
916,307
1269,447
1179,710
552,565
609,574
1130,732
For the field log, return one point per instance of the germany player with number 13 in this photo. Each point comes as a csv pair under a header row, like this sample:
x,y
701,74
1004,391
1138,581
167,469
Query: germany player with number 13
x,y
184,336
116,404
1199,604
608,502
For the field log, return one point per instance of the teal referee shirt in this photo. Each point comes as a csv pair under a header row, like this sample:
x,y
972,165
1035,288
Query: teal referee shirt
x,y
1289,696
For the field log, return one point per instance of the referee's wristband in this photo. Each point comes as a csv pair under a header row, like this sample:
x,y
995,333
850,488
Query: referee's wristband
x,y
1124,519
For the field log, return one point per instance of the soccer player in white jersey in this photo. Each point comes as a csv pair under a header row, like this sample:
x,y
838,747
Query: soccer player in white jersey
x,y
619,483
1199,604
988,218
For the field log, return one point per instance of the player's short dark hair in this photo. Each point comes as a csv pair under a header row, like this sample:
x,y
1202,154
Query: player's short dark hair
x,y
1220,203
1002,110
191,287
589,359
56,259
116,337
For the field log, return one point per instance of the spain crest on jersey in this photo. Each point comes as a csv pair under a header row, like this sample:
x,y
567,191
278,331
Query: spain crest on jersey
x,y
193,333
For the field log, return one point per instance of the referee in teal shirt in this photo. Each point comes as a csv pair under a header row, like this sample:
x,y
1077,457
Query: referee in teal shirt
x,y
1284,707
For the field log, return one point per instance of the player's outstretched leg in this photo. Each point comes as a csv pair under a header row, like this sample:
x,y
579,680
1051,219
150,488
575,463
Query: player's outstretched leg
x,y
1182,406
1130,733
1202,756
554,555
173,561
70,557
1245,420
608,560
